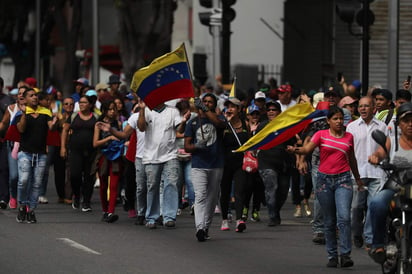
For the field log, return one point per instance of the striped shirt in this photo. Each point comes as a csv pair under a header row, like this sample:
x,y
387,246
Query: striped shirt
x,y
334,152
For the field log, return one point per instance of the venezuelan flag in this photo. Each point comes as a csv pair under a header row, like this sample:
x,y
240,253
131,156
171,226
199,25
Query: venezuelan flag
x,y
12,133
285,126
167,77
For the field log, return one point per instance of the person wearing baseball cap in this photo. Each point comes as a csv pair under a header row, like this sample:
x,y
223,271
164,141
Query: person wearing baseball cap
x,y
236,135
349,105
79,86
285,97
332,96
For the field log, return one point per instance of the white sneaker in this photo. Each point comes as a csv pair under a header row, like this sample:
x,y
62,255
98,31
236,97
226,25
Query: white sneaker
x,y
97,183
225,226
43,200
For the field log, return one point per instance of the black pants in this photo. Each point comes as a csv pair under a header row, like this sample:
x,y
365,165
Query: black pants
x,y
4,173
232,173
256,188
129,176
80,167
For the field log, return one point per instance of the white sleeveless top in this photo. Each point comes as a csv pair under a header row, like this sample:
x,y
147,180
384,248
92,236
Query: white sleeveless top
x,y
13,112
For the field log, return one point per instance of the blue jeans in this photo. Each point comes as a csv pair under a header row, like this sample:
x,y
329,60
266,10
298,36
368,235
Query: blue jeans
x,y
360,207
317,224
31,172
154,172
334,193
186,179
13,171
276,190
141,187
378,209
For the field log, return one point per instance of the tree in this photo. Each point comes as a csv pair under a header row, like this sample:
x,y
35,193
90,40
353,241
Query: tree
x,y
17,39
67,15
145,31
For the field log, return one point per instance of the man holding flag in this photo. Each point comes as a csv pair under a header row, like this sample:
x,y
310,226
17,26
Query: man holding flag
x,y
274,169
160,157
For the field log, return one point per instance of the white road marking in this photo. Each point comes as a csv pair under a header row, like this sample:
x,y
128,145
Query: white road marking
x,y
78,246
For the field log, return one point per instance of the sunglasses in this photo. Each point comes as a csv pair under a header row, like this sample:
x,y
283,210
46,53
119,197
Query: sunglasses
x,y
272,109
68,104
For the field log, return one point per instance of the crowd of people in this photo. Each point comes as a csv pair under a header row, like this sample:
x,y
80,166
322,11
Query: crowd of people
x,y
180,154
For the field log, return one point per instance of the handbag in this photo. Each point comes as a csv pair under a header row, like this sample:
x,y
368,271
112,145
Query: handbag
x,y
250,162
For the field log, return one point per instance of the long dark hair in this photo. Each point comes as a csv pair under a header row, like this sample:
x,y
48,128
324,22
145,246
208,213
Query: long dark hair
x,y
104,108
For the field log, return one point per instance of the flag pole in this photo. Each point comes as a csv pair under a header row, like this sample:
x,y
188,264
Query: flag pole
x,y
234,133
190,69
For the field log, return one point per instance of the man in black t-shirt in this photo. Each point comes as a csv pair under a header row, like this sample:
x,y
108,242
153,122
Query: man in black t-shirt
x,y
33,125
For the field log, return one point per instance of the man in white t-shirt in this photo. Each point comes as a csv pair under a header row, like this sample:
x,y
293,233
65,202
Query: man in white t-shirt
x,y
160,160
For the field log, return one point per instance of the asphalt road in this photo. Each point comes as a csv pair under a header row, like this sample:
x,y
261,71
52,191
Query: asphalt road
x,y
70,241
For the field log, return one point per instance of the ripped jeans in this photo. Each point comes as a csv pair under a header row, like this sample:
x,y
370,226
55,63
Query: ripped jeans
x,y
334,193
31,171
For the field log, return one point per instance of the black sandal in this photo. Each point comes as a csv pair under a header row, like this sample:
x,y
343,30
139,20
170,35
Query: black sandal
x,y
378,255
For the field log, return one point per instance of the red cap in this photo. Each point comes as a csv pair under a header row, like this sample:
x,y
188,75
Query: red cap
x,y
31,81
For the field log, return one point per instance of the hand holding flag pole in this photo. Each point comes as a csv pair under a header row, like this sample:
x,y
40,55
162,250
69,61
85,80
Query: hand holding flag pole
x,y
167,77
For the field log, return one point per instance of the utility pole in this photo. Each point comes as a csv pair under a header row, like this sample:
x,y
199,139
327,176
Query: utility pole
x,y
215,29
228,14
365,48
393,47
37,44
96,53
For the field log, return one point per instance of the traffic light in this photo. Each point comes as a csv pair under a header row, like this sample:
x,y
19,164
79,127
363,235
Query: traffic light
x,y
211,18
346,10
349,10
206,3
199,67
204,18
228,13
370,17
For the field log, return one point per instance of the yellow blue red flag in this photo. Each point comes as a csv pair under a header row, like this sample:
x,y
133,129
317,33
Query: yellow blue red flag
x,y
166,78
285,126
232,93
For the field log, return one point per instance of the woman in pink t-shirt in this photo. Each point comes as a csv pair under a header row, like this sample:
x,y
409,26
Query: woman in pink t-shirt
x,y
334,184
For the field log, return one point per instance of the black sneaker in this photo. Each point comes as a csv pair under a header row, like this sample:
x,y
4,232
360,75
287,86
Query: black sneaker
x,y
274,222
111,218
378,255
104,217
21,214
333,262
3,204
200,235
86,207
76,203
31,217
358,241
345,261
318,238
140,220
